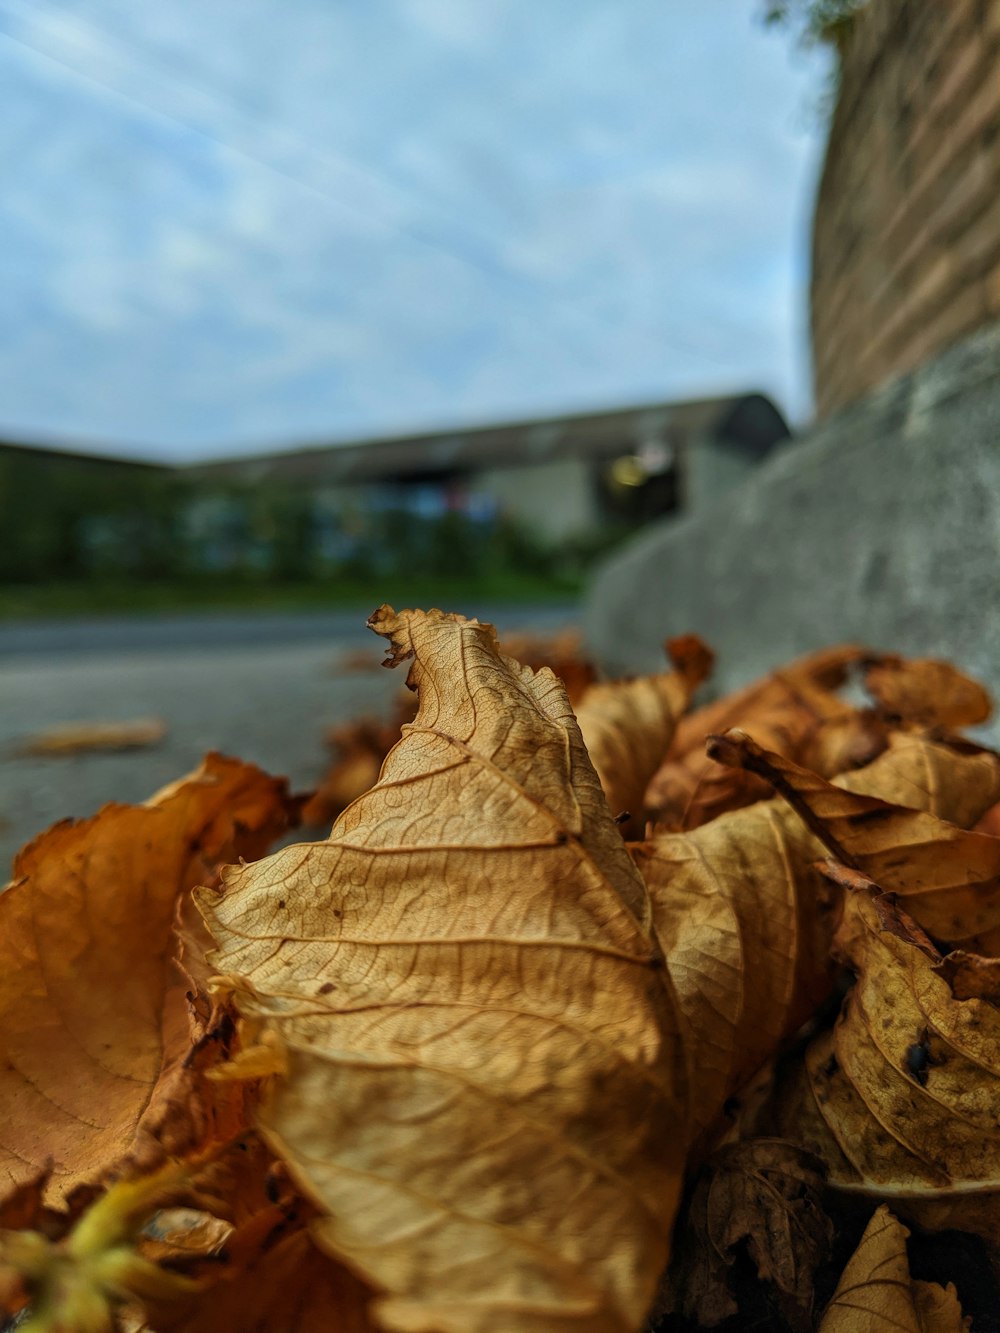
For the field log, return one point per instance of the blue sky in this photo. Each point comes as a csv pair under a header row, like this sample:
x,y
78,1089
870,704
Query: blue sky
x,y
238,224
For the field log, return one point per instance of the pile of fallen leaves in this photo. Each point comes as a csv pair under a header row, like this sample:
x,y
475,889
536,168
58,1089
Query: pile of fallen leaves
x,y
573,1021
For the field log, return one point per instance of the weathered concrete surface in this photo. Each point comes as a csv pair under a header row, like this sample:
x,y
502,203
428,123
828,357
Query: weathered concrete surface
x,y
881,526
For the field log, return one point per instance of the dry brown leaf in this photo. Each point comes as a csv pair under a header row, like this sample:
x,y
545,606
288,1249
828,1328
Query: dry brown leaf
x,y
274,1280
970,976
948,876
745,921
360,747
628,725
91,1008
764,1195
561,652
786,711
900,1100
745,924
947,777
485,1094
990,821
77,737
922,692
877,1295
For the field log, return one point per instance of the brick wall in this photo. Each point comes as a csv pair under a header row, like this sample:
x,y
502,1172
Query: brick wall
x,y
906,237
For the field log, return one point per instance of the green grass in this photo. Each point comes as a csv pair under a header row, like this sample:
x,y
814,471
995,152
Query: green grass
x,y
89,598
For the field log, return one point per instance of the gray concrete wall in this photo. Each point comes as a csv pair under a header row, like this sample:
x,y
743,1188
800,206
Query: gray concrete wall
x,y
881,526
712,468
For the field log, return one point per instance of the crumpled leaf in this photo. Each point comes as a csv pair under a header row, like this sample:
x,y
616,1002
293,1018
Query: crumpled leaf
x,y
484,1089
948,876
562,652
877,1295
627,725
359,747
944,776
789,711
92,1010
745,925
766,1195
745,920
900,1099
71,738
923,692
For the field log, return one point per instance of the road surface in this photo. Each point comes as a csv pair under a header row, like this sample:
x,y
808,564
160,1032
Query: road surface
x,y
265,688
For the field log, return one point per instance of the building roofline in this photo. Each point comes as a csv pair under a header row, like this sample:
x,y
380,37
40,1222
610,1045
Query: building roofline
x,y
483,429
35,448
457,444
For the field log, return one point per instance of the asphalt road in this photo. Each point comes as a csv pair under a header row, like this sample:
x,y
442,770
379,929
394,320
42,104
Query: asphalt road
x,y
265,688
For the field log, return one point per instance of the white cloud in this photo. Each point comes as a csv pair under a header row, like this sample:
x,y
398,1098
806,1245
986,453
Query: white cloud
x,y
247,222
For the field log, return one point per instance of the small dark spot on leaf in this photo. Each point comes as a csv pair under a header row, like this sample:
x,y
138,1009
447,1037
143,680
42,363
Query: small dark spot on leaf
x,y
326,988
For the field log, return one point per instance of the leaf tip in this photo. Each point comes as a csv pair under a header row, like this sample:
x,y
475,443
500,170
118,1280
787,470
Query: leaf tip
x,y
732,748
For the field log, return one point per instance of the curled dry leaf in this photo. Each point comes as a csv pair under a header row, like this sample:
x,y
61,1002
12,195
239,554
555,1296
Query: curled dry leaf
x,y
922,692
877,1295
900,1099
484,1086
745,925
764,1195
745,921
627,725
948,876
785,711
93,1013
360,747
78,737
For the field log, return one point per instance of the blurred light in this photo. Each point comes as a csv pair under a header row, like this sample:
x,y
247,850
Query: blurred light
x,y
628,470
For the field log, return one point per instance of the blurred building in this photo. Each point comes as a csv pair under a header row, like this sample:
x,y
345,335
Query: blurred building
x,y
516,494
560,477
906,238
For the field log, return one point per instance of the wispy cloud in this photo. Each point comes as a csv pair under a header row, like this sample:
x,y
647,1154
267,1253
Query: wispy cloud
x,y
241,223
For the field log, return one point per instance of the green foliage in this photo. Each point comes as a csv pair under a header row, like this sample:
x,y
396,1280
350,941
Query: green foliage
x,y
99,535
827,21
